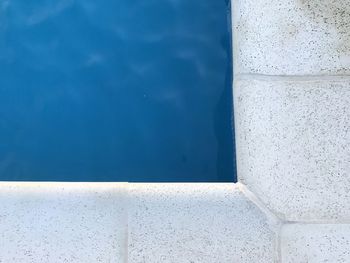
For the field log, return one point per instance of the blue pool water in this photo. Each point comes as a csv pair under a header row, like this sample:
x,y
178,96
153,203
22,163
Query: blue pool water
x,y
115,90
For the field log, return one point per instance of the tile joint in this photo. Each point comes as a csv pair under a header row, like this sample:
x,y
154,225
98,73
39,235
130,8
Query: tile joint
x,y
297,78
275,221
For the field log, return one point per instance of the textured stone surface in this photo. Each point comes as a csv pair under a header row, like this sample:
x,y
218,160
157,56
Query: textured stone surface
x,y
278,37
196,223
315,243
62,222
293,145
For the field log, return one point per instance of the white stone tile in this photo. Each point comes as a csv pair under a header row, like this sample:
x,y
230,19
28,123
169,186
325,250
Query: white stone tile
x,y
203,223
62,222
292,37
293,145
315,243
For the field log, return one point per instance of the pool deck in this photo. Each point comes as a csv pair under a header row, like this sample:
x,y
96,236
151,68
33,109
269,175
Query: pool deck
x,y
292,202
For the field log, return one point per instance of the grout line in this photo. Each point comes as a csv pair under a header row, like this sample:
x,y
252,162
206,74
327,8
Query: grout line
x,y
274,219
277,222
279,243
126,205
302,78
318,222
252,197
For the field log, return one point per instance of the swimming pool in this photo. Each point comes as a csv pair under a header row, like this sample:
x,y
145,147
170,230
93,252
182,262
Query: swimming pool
x,y
121,90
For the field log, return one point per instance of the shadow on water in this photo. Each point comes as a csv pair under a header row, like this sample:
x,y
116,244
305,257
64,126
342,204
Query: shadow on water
x,y
223,118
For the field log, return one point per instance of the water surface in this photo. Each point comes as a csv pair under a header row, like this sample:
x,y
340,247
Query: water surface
x,y
125,90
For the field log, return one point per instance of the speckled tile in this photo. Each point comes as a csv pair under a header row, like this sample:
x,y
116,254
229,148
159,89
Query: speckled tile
x,y
293,145
204,223
315,243
63,222
292,37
